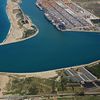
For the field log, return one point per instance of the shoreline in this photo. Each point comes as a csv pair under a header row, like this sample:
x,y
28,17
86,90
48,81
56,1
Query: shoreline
x,y
2,44
31,37
9,37
37,4
77,29
49,73
5,77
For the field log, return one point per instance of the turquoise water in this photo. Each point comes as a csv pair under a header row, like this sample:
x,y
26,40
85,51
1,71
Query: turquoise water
x,y
50,49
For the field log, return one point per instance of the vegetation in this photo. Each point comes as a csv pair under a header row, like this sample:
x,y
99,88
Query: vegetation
x,y
35,86
20,24
13,0
87,97
79,98
94,70
29,86
60,84
28,33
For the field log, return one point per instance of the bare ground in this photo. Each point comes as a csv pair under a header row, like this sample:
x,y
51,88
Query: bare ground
x,y
91,5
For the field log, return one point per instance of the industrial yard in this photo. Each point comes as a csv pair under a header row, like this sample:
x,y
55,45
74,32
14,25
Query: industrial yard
x,y
67,15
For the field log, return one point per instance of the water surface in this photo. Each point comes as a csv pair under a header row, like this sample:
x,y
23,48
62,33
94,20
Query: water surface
x,y
50,49
4,22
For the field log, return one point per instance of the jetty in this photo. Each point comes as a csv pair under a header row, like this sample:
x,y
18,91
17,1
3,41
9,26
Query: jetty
x,y
21,27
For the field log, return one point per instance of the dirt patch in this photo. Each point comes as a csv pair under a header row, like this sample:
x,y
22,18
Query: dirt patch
x,y
3,81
